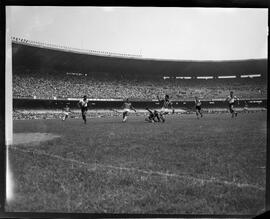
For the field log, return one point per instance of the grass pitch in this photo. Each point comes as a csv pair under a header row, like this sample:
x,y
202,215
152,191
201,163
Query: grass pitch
x,y
215,165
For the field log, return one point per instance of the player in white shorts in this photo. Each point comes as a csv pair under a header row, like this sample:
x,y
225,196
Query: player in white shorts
x,y
245,110
66,112
198,106
127,108
231,101
166,107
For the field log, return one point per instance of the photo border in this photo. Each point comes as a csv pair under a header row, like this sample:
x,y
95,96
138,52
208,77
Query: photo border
x,y
167,3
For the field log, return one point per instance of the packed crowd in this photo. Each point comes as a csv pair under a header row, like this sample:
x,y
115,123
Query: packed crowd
x,y
52,114
57,86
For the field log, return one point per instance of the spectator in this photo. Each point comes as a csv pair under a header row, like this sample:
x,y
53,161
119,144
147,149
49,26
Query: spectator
x,y
50,86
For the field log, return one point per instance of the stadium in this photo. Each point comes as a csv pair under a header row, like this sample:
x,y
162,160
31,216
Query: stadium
x,y
41,86
62,74
213,164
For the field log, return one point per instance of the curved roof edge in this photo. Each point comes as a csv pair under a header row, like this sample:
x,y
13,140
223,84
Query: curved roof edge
x,y
116,55
71,49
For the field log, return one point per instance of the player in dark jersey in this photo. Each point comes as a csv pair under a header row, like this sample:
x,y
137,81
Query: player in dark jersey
x,y
83,104
127,106
166,106
153,116
231,101
198,107
245,110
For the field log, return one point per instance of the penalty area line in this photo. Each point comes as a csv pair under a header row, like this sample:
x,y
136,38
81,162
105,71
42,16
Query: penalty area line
x,y
159,173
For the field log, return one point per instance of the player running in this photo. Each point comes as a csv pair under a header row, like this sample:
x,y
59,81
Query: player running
x,y
166,106
231,100
83,104
198,107
66,112
153,116
127,108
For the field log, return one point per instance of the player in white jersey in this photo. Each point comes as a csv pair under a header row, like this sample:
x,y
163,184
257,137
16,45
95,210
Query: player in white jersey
x,y
231,101
166,106
198,107
127,106
66,112
83,104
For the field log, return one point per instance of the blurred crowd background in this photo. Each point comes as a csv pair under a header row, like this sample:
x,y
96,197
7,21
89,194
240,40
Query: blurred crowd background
x,y
49,86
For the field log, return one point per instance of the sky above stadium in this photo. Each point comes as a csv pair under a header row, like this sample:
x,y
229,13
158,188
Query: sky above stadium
x,y
163,33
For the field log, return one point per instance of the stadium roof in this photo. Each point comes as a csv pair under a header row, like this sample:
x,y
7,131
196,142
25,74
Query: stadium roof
x,y
43,59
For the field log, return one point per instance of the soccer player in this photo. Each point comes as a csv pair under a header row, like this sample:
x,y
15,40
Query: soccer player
x,y
231,100
66,112
198,107
153,116
127,108
166,106
83,104
245,110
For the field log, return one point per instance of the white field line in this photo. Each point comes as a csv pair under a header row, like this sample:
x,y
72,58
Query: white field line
x,y
80,163
94,166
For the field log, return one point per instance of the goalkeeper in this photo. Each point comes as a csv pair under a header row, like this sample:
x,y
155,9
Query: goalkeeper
x,y
154,116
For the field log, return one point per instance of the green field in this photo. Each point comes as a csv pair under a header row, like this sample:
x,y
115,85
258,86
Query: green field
x,y
215,165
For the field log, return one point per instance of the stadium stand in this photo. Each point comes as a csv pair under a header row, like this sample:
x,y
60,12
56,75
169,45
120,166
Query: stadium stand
x,y
42,72
47,86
